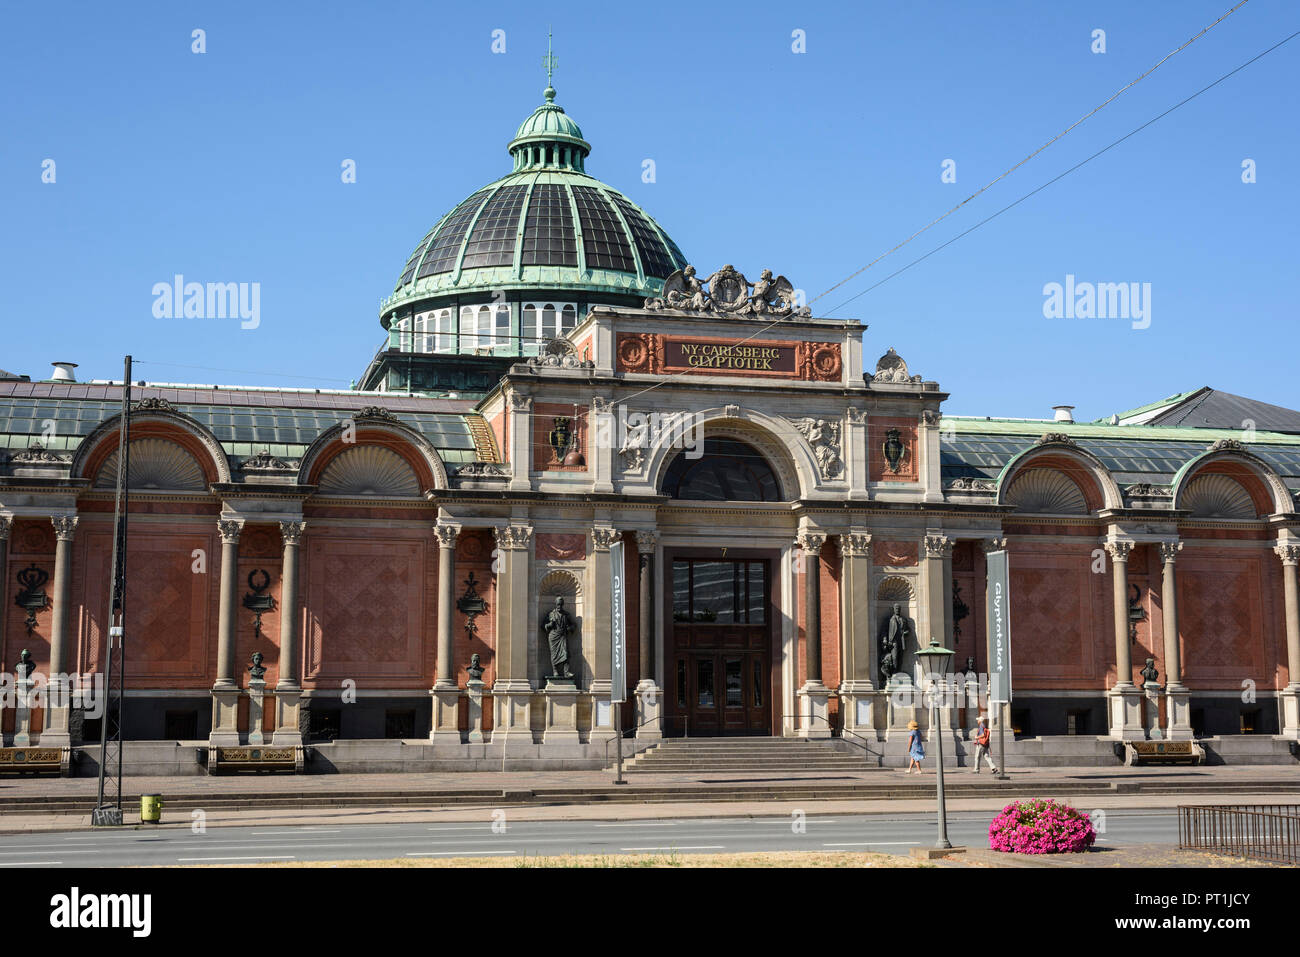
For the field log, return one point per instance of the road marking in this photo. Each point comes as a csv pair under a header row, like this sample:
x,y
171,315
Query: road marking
x,y
300,830
280,857
29,863
468,827
48,847
641,824
466,853
684,847
875,844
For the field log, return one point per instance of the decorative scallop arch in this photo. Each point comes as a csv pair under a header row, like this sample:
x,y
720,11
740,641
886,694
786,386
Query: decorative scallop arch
x,y
1267,492
1076,465
369,470
380,430
559,582
1215,495
155,464
158,421
785,449
895,588
1046,491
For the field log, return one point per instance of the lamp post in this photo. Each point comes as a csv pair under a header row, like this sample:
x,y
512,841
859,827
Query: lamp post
x,y
937,659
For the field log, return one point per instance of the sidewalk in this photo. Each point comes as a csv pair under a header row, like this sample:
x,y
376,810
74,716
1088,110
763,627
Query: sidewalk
x,y
1234,776
476,795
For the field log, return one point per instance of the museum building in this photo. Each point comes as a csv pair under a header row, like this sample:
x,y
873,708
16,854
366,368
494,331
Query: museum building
x,y
556,378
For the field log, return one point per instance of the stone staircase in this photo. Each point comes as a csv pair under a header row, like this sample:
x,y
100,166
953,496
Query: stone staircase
x,y
774,755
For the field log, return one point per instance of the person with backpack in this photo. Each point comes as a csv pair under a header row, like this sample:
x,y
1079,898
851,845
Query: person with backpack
x,y
915,748
982,744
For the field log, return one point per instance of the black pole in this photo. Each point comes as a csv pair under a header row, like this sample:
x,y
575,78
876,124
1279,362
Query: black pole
x,y
943,806
108,806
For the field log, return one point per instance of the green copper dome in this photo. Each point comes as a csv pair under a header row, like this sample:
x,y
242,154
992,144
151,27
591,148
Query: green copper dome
x,y
547,225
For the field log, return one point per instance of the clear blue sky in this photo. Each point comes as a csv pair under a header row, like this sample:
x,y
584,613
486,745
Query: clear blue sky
x,y
225,167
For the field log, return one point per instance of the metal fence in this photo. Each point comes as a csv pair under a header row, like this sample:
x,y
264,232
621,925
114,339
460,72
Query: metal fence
x,y
1262,832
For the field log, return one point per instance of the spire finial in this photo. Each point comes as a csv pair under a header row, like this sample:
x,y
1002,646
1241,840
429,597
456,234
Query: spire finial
x,y
549,62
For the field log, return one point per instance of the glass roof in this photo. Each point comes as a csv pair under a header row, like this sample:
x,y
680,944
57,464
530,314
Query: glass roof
x,y
1130,460
23,420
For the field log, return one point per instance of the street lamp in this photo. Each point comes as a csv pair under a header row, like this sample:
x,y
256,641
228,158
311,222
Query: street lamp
x,y
937,659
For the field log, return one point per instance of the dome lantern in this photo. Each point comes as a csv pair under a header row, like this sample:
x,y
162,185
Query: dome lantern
x,y
549,139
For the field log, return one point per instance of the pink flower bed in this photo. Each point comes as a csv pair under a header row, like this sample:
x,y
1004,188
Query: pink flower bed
x,y
1041,827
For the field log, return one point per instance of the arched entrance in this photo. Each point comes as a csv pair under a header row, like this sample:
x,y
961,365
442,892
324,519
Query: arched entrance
x,y
720,635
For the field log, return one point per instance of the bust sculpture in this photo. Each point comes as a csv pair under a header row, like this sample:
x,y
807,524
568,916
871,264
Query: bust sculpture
x,y
475,670
892,641
558,626
256,671
1149,673
25,665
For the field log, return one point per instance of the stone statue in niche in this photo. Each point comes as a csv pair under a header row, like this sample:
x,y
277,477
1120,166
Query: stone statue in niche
x,y
559,625
893,640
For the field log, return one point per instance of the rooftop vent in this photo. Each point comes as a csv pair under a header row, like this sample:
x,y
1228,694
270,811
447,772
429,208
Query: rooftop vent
x,y
63,372
1064,413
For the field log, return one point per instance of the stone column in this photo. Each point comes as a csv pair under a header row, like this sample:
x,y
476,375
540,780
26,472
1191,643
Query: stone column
x,y
1125,696
814,696
1178,713
512,692
58,704
225,690
859,654
519,413
602,717
446,693
938,593
1289,552
649,706
288,691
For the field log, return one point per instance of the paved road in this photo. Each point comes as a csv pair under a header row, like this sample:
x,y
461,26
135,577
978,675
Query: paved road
x,y
235,846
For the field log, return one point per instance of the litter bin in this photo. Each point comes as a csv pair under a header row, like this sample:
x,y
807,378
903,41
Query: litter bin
x,y
150,808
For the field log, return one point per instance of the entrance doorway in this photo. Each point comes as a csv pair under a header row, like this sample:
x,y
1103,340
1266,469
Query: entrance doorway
x,y
719,669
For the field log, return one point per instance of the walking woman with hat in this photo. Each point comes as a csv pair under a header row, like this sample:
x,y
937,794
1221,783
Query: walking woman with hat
x,y
915,748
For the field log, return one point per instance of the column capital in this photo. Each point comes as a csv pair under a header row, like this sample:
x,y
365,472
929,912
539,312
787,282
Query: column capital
x,y
855,544
520,402
513,537
647,540
1118,551
811,541
602,537
1169,551
65,527
6,525
1289,552
937,546
446,533
230,529
993,545
291,532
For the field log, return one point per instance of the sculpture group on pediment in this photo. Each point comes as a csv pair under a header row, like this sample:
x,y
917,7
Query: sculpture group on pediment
x,y
727,292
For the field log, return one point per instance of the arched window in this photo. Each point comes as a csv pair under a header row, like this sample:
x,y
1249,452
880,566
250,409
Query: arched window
x,y
446,338
728,471
549,328
468,331
568,320
531,343
501,333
